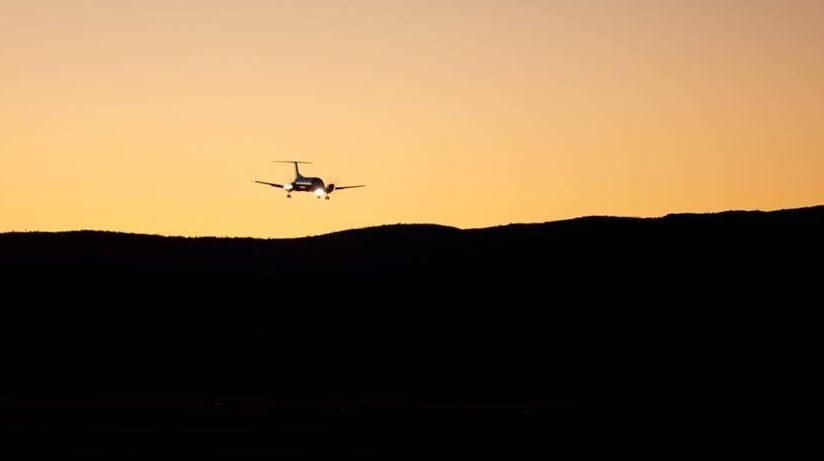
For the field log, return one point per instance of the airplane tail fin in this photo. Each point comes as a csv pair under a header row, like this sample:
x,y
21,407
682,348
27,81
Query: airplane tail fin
x,y
295,162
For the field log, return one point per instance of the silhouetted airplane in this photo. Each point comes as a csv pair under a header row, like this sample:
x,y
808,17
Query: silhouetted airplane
x,y
306,183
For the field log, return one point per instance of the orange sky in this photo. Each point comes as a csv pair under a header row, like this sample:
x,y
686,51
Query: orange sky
x,y
155,116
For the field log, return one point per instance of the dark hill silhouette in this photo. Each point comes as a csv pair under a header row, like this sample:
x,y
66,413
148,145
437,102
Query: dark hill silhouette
x,y
740,240
649,323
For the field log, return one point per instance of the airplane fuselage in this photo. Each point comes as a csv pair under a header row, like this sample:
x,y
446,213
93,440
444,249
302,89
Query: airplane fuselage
x,y
306,184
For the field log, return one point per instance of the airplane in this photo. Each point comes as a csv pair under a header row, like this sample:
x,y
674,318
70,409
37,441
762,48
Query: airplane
x,y
307,183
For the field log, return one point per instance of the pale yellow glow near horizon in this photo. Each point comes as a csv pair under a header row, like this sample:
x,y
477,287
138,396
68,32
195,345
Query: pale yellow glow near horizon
x,y
157,116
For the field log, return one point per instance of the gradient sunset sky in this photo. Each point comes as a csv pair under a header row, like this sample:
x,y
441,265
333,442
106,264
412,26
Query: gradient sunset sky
x,y
156,116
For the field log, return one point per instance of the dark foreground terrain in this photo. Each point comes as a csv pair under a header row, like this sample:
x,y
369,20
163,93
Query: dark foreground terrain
x,y
269,428
606,334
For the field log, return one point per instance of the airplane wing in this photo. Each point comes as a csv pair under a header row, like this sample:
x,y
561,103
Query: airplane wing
x,y
349,187
270,184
